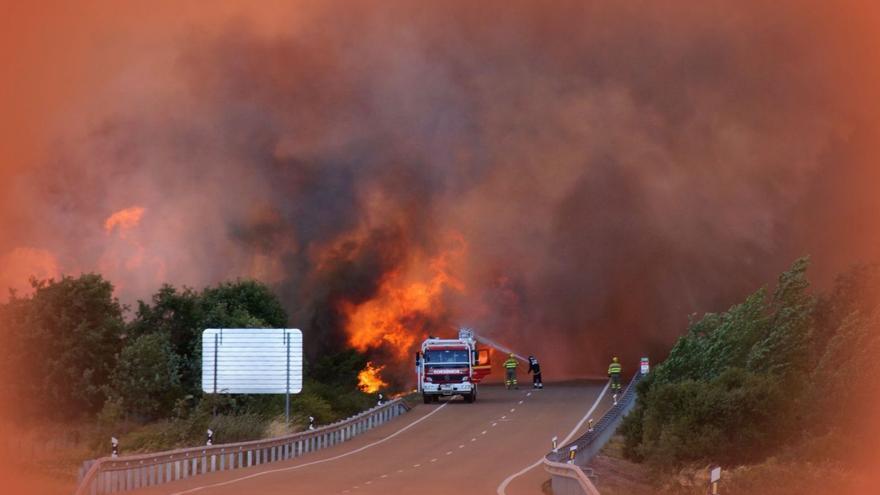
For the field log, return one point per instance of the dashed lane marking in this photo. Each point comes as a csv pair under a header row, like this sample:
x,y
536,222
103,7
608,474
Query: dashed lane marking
x,y
483,432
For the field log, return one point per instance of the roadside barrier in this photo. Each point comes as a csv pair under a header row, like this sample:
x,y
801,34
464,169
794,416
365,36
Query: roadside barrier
x,y
123,473
565,463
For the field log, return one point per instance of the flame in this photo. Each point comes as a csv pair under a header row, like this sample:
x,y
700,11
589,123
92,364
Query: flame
x,y
126,253
124,220
369,379
402,312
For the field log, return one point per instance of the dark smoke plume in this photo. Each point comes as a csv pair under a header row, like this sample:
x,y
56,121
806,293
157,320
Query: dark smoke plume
x,y
609,168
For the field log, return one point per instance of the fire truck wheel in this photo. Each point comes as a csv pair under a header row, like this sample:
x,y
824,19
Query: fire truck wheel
x,y
426,398
469,398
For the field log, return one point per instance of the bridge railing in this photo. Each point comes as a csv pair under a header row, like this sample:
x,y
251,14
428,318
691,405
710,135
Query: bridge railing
x,y
118,474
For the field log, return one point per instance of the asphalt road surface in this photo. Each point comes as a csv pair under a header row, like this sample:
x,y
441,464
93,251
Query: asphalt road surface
x,y
491,446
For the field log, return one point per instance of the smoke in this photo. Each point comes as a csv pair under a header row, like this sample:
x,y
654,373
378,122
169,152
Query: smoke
x,y
591,174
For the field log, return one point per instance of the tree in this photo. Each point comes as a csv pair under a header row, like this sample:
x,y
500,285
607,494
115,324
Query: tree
x,y
63,341
147,376
182,315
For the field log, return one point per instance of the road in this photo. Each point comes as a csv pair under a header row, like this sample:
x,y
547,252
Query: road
x,y
480,448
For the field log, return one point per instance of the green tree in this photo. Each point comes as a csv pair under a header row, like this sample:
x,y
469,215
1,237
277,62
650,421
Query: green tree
x,y
737,379
63,341
183,314
147,376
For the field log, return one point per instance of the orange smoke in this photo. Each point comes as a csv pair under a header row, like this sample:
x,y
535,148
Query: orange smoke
x,y
124,220
369,379
403,311
23,263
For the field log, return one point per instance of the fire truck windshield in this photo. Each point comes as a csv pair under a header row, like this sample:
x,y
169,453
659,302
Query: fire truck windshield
x,y
441,356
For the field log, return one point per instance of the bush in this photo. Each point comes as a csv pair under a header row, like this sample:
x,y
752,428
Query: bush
x,y
772,371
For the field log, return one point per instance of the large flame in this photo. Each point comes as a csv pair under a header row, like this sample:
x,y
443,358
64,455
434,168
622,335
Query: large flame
x,y
407,306
403,311
369,379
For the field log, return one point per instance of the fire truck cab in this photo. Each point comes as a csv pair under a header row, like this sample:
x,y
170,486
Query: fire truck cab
x,y
448,367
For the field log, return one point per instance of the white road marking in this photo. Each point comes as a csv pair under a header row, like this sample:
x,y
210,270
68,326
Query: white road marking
x,y
520,402
312,463
368,483
384,476
461,446
529,394
494,424
502,488
502,417
417,465
449,452
434,460
474,439
512,409
400,470
483,432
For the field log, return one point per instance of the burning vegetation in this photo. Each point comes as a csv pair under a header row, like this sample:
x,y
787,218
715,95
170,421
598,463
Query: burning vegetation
x,y
369,379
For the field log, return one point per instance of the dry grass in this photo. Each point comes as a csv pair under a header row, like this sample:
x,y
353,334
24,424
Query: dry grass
x,y
617,476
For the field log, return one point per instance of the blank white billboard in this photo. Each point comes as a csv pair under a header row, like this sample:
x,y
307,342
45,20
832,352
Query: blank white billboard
x,y
252,360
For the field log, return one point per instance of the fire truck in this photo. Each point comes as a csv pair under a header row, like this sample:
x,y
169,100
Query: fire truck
x,y
449,367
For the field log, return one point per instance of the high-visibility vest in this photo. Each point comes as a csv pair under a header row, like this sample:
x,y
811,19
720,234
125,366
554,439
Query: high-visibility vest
x,y
614,368
510,363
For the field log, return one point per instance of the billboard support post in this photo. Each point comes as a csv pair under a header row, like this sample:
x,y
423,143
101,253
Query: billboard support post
x,y
287,385
216,343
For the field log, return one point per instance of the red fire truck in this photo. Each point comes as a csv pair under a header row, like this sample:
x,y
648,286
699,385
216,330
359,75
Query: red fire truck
x,y
448,367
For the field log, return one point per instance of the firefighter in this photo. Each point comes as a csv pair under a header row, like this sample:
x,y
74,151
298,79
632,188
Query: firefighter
x,y
510,368
614,370
535,368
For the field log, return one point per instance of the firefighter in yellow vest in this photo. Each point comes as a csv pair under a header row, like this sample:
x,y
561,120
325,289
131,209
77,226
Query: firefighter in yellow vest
x,y
614,371
510,369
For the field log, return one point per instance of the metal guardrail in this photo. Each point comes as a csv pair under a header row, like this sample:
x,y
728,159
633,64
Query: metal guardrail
x,y
589,444
569,479
118,474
